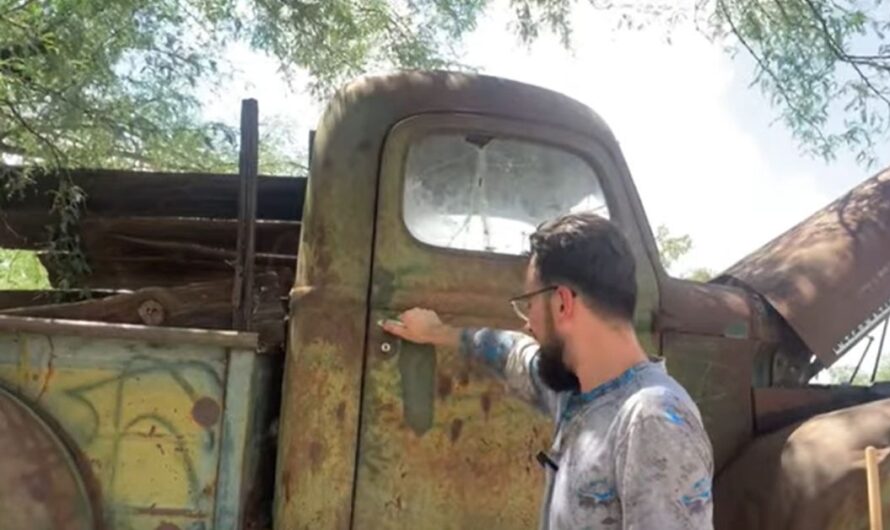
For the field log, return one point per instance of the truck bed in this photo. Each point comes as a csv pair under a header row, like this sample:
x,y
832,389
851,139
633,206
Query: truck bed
x,y
162,249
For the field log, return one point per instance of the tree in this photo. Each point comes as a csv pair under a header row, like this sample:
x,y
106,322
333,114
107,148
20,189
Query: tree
x,y
115,83
823,64
671,248
701,274
21,270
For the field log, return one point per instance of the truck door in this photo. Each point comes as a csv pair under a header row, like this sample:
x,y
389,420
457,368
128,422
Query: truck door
x,y
441,444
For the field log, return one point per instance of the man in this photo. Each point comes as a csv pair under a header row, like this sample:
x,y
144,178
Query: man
x,y
629,451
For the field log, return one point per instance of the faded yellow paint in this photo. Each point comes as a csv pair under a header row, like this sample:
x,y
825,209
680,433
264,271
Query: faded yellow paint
x,y
126,408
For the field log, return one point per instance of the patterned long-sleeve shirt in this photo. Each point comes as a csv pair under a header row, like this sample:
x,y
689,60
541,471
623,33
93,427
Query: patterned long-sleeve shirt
x,y
629,454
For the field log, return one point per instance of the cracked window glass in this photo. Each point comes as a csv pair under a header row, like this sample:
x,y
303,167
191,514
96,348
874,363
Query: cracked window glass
x,y
484,193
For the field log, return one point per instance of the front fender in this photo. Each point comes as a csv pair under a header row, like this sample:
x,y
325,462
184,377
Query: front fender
x,y
808,476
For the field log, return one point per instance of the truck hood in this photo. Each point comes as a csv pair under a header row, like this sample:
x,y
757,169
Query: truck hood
x,y
829,276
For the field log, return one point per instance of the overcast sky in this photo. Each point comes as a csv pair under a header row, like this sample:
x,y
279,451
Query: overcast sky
x,y
704,152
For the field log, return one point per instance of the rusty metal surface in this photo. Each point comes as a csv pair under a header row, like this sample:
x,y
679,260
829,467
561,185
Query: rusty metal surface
x,y
714,338
717,372
775,408
319,411
324,372
41,487
472,466
808,476
159,425
245,263
712,310
831,273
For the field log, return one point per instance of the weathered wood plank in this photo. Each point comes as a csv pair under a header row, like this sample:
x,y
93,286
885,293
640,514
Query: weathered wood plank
x,y
205,305
27,230
134,193
80,328
133,273
16,299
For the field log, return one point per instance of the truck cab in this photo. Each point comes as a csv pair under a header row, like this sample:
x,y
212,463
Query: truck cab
x,y
446,176
423,190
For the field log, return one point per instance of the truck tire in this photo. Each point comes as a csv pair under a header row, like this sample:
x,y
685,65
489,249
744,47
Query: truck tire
x,y
41,487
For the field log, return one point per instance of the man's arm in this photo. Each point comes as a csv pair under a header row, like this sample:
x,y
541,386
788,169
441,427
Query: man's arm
x,y
510,355
664,471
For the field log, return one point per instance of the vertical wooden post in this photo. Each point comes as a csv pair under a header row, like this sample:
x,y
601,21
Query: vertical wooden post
x,y
242,295
875,507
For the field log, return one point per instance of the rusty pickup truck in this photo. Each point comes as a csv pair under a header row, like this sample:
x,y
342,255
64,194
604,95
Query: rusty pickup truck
x,y
149,406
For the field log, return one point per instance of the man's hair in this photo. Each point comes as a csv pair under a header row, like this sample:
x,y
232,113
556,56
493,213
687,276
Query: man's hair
x,y
588,253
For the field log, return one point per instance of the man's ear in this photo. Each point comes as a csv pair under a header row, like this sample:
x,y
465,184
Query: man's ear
x,y
567,302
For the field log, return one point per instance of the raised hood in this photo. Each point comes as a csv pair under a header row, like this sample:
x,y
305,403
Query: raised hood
x,y
829,276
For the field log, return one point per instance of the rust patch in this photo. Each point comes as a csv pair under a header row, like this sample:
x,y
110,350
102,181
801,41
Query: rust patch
x,y
37,489
46,491
445,385
285,478
171,512
341,411
485,403
316,455
206,411
50,372
456,427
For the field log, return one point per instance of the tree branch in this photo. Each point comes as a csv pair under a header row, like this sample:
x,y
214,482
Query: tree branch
x,y
780,88
19,7
842,55
12,150
56,154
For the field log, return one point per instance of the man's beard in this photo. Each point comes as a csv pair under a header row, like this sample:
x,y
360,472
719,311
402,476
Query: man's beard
x,y
551,367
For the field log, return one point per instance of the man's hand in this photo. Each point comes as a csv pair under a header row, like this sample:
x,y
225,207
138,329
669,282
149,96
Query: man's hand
x,y
424,327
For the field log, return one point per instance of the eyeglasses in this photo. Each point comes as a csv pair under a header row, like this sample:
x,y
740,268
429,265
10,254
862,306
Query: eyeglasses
x,y
522,303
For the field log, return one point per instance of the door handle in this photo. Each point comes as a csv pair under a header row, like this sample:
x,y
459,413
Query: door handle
x,y
417,368
417,371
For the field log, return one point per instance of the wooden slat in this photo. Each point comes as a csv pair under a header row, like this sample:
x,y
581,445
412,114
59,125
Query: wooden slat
x,y
154,229
133,193
205,305
165,271
81,328
27,230
17,299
